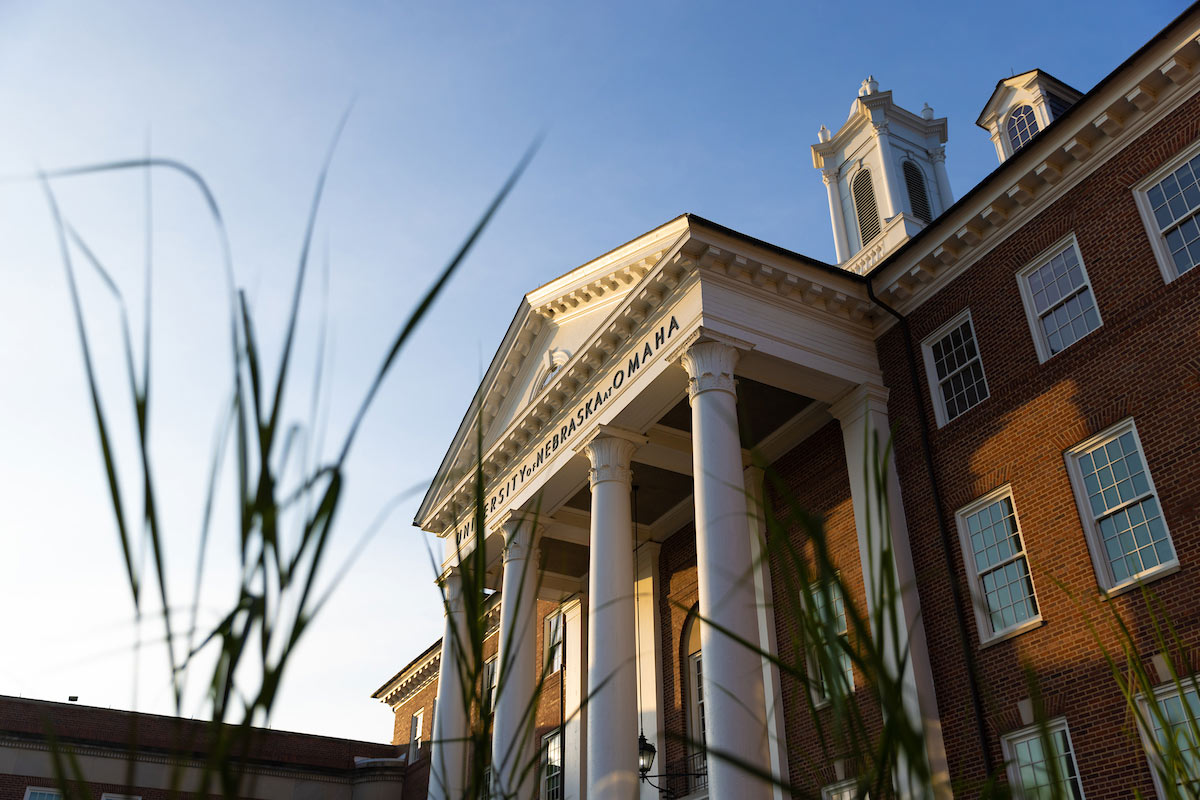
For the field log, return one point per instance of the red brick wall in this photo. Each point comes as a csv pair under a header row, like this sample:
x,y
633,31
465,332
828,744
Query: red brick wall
x,y
1142,362
813,477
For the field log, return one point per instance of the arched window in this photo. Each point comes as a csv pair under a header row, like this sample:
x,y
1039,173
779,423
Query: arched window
x,y
1022,125
864,206
918,195
693,665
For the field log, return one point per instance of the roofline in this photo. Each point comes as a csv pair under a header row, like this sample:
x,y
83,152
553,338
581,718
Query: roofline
x,y
1025,153
1002,81
379,693
4,698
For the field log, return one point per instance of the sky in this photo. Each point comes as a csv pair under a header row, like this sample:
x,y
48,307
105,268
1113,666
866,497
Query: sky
x,y
649,110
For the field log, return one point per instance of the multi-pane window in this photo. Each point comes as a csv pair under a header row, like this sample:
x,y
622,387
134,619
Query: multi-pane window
x,y
552,774
414,734
1059,300
1172,728
995,556
556,625
1119,507
843,790
831,669
1022,125
955,369
1174,204
34,793
489,683
696,676
1041,763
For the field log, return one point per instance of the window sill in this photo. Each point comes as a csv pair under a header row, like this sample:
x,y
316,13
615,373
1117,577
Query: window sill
x,y
1010,633
1138,581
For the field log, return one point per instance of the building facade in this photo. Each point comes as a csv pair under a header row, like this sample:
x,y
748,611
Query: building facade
x,y
123,755
1031,352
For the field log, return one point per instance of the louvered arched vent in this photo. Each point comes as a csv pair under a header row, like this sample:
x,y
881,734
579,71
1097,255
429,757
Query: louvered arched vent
x,y
918,195
864,206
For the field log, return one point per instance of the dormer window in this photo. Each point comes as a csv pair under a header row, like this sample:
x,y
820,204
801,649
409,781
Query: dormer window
x,y
918,195
1022,125
864,205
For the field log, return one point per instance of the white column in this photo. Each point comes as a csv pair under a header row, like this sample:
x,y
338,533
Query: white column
x,y
733,681
863,417
574,690
612,688
448,763
649,656
841,243
514,754
938,156
891,181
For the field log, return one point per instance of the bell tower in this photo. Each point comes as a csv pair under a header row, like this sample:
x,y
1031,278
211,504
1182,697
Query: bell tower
x,y
885,173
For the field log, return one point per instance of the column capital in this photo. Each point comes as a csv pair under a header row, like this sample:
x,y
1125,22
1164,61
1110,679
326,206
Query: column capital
x,y
610,451
709,363
450,582
521,530
865,397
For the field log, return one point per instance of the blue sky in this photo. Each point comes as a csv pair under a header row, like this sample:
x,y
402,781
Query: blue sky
x,y
650,110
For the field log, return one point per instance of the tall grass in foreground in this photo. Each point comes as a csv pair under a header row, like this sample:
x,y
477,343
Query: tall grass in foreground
x,y
288,493
288,499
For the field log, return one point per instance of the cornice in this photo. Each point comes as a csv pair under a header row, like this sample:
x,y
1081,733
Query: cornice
x,y
827,292
1057,159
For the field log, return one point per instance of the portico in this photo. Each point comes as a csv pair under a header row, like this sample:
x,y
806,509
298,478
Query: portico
x,y
664,364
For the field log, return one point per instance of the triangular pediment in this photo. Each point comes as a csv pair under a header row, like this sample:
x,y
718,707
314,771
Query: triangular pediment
x,y
552,324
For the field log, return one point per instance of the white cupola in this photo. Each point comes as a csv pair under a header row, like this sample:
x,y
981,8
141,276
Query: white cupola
x,y
1023,105
885,172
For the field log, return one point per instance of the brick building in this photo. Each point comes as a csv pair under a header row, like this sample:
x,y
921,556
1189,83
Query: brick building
x,y
1032,351
124,755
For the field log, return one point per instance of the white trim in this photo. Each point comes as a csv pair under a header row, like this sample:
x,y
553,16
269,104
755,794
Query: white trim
x,y
1031,314
1108,585
547,627
978,598
544,761
831,791
1140,195
820,697
31,789
1008,740
416,727
935,387
118,796
1144,722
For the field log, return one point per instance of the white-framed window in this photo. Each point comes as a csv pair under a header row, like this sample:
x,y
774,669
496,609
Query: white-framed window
x,y
1119,508
842,790
1170,731
42,793
552,767
829,666
997,569
1058,298
954,368
1022,125
490,673
555,633
1169,203
1035,772
115,796
699,724
415,727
